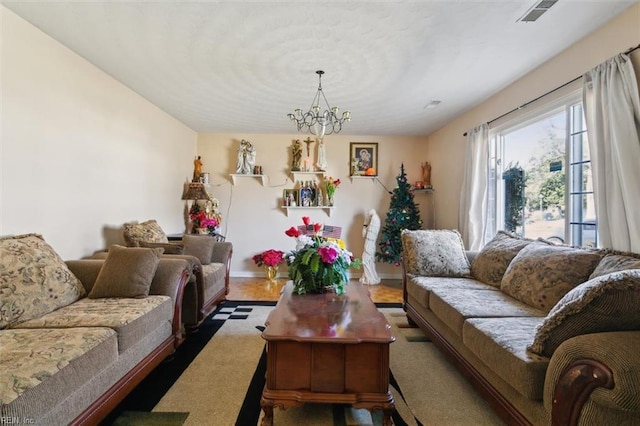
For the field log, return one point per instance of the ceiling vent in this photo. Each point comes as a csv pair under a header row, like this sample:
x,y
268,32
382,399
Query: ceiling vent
x,y
537,10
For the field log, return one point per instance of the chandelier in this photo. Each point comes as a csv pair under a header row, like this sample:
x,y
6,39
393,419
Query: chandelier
x,y
316,123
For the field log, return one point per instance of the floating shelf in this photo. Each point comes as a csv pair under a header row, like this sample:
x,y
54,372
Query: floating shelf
x,y
327,209
371,178
307,175
422,190
263,178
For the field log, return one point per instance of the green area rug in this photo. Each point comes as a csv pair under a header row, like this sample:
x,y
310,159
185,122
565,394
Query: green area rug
x,y
222,385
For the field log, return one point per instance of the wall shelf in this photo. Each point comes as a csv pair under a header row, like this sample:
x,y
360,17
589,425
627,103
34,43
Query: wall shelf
x,y
422,190
327,209
298,176
371,178
263,178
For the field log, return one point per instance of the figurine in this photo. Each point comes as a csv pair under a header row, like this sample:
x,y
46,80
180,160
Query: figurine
x,y
296,150
370,234
426,174
197,169
322,157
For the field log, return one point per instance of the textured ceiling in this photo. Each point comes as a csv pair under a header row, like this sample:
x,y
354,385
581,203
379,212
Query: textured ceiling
x,y
240,67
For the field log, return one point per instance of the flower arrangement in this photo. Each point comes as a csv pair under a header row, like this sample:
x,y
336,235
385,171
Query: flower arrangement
x,y
331,185
270,257
201,220
318,263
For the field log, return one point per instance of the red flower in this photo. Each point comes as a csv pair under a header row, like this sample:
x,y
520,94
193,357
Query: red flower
x,y
306,220
317,227
270,257
292,232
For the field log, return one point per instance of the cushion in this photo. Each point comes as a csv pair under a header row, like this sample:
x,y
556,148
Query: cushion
x,y
149,231
434,253
34,280
606,303
492,261
200,246
614,263
169,248
127,272
542,274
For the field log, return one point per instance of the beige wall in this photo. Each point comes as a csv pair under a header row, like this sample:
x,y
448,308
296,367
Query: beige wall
x,y
81,153
446,147
253,218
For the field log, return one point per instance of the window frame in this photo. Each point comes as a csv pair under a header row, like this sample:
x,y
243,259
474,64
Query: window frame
x,y
573,234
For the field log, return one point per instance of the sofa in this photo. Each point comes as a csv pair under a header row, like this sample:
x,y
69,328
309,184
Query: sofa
x,y
76,337
547,334
209,258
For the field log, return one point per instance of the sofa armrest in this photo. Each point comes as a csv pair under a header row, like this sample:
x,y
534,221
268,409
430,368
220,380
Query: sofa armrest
x,y
599,368
222,252
86,270
170,280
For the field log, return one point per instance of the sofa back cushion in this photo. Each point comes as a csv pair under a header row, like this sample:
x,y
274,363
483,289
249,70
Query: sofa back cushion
x,y
149,231
542,274
200,246
434,253
614,263
606,303
492,261
126,272
35,280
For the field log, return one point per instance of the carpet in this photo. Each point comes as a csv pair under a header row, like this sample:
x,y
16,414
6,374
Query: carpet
x,y
223,383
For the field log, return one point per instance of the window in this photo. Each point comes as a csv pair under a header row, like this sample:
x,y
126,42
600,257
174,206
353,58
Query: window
x,y
540,177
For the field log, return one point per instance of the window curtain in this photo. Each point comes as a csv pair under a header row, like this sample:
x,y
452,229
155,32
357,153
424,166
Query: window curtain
x,y
472,214
612,113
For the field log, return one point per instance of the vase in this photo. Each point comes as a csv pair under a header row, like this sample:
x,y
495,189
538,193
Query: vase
x,y
271,272
330,200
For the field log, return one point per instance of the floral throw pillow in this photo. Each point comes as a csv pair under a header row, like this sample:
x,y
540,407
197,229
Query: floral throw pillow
x,y
434,253
542,274
614,263
34,279
492,261
605,303
149,232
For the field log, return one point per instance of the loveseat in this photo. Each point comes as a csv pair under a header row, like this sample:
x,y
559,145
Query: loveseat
x,y
547,334
77,337
209,260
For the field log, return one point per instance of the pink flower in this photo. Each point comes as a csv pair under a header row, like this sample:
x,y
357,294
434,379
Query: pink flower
x,y
328,254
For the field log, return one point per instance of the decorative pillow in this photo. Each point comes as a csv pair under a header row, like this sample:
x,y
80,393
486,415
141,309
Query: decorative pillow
x,y
200,246
434,253
169,248
34,280
541,274
614,263
149,231
126,272
492,261
606,303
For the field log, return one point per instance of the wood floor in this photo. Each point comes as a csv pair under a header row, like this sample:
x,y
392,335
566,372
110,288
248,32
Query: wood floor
x,y
388,291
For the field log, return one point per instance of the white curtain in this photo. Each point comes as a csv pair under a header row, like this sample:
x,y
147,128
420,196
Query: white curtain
x,y
472,214
612,112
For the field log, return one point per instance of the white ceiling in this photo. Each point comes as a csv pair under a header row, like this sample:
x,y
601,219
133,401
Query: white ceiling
x,y
240,67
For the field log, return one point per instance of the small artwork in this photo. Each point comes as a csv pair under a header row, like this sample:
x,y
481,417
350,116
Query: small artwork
x,y
290,197
363,158
306,197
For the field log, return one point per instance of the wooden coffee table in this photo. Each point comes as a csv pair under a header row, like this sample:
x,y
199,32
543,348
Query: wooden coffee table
x,y
327,348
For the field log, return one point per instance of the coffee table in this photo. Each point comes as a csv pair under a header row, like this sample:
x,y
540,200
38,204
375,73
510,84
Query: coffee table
x,y
327,348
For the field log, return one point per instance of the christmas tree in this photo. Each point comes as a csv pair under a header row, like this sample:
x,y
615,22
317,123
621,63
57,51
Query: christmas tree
x,y
403,214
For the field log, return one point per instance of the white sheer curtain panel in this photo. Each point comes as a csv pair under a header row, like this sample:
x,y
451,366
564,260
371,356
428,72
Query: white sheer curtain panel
x,y
472,214
612,113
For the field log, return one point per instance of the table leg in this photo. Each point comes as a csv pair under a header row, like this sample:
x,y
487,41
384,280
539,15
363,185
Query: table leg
x,y
267,407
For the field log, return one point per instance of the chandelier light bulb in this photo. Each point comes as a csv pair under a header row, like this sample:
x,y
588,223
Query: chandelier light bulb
x,y
316,122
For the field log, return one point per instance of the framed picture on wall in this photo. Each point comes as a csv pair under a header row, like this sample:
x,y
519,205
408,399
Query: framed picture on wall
x,y
363,157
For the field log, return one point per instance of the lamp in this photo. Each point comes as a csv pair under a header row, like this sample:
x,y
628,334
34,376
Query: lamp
x,y
195,191
316,123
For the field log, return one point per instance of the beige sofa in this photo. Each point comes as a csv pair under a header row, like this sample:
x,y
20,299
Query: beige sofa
x,y
547,334
77,337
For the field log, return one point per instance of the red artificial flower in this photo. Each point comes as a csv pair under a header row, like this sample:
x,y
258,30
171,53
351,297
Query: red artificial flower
x,y
306,220
317,227
336,182
292,232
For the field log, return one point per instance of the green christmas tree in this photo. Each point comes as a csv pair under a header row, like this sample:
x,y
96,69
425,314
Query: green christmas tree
x,y
403,214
